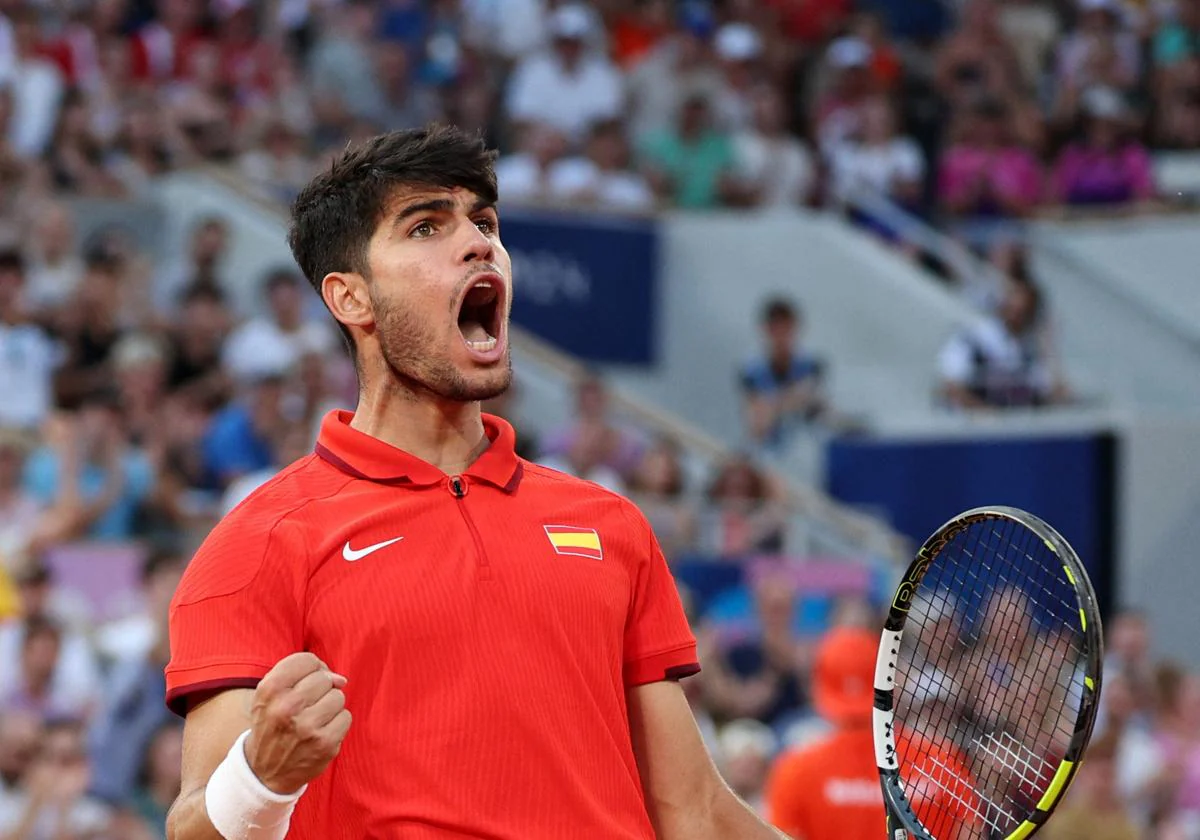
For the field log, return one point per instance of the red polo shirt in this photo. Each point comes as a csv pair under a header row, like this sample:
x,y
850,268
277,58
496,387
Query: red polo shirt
x,y
489,625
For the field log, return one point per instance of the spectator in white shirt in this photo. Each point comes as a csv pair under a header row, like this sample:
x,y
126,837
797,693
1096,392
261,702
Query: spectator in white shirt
x,y
277,341
1003,361
523,177
602,176
28,357
566,86
775,168
55,267
739,48
877,159
37,88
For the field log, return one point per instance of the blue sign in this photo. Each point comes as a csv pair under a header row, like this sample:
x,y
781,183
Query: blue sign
x,y
1067,481
586,283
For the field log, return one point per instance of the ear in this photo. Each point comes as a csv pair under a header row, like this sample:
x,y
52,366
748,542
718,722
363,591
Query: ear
x,y
348,298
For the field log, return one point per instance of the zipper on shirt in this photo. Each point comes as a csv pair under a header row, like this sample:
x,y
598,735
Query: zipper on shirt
x,y
458,486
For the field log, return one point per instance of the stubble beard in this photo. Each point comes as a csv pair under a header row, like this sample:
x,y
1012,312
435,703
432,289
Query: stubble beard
x,y
419,362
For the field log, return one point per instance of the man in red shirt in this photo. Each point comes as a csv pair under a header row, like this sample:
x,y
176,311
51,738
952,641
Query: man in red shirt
x,y
508,639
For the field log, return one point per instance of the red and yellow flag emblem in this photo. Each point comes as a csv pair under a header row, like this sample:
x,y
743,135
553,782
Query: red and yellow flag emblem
x,y
580,542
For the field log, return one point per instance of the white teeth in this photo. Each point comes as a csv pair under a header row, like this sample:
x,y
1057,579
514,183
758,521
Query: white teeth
x,y
483,345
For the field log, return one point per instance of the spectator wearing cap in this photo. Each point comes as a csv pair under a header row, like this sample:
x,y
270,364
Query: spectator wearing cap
x,y
568,85
277,339
774,168
681,65
837,115
691,164
829,789
28,356
1107,165
739,49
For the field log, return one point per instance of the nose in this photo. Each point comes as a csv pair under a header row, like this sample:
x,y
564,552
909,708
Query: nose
x,y
477,245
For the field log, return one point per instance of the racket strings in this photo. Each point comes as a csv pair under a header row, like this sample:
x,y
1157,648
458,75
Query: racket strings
x,y
989,681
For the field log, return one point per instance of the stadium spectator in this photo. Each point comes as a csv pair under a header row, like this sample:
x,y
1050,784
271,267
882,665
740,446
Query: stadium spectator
x,y
132,712
242,437
569,85
1178,39
618,446
160,779
200,266
196,340
36,85
406,101
760,672
51,801
692,164
782,388
877,162
291,443
1107,165
837,109
658,487
88,330
28,357
774,169
1003,361
829,788
745,749
278,339
740,53
602,176
681,65
523,176
1179,741
977,59
276,164
987,181
54,268
1094,808
20,512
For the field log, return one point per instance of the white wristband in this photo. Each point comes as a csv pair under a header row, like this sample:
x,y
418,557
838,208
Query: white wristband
x,y
241,807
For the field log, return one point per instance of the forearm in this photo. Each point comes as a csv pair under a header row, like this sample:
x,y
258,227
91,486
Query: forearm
x,y
188,819
725,817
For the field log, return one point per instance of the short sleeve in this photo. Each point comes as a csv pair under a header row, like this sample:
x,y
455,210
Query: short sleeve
x,y
659,644
237,610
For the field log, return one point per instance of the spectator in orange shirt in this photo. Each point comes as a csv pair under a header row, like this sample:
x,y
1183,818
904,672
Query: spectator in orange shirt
x,y
829,790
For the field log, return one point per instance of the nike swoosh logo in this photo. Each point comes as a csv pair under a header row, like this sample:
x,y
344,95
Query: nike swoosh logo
x,y
351,555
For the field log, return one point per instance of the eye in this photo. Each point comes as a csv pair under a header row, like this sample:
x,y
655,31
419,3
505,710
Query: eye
x,y
486,225
422,230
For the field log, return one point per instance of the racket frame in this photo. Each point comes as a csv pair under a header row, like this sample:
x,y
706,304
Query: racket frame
x,y
902,821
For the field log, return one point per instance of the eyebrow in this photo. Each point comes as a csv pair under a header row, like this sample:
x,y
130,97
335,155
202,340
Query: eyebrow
x,y
440,205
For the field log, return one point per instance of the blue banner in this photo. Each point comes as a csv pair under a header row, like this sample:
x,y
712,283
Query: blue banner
x,y
918,485
586,283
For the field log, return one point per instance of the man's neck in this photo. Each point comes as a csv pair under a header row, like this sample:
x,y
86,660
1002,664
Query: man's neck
x,y
444,433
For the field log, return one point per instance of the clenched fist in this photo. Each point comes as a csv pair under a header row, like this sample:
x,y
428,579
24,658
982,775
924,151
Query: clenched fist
x,y
298,720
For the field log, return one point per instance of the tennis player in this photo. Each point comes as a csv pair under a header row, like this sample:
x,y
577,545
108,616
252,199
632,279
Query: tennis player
x,y
412,633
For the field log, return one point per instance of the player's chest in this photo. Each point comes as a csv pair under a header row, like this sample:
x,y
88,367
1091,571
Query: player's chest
x,y
443,571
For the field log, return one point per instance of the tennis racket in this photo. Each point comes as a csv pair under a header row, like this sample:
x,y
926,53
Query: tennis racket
x,y
987,680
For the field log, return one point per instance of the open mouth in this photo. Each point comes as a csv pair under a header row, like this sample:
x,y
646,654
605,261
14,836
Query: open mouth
x,y
479,315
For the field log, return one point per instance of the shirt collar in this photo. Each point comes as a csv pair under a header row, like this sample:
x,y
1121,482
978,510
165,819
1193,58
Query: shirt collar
x,y
363,456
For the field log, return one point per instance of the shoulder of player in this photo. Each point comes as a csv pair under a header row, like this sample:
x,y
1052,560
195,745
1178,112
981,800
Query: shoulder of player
x,y
261,521
581,489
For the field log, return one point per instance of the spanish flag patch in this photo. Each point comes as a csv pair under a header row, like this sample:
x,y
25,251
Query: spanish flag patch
x,y
580,542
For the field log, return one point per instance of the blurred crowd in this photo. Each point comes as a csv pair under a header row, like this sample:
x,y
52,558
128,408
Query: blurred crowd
x,y
140,402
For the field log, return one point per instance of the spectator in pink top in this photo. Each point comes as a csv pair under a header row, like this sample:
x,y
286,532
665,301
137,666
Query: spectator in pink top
x,y
1107,165
987,182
